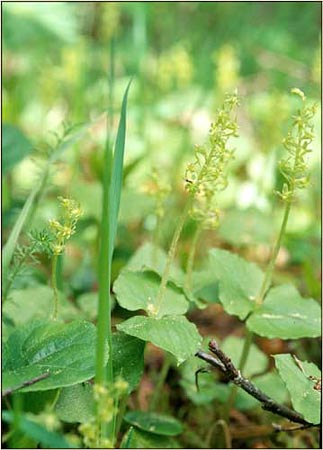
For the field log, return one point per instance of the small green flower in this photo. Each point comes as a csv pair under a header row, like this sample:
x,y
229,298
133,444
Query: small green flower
x,y
62,230
207,175
294,167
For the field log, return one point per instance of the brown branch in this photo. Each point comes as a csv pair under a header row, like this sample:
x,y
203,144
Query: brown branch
x,y
226,366
26,383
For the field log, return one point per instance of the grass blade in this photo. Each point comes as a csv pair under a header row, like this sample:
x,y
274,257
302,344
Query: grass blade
x,y
112,184
117,170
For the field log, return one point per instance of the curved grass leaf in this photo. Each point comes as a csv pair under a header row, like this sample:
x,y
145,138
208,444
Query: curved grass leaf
x,y
174,334
285,314
38,433
306,397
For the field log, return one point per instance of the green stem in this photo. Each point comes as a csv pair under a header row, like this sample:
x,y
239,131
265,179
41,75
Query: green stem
x,y
270,268
54,285
161,380
104,373
170,257
156,239
191,258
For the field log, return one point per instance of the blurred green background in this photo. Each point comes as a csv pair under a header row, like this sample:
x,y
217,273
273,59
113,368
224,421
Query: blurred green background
x,y
71,62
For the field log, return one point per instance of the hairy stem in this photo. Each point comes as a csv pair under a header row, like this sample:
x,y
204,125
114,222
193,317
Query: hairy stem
x,y
54,285
270,268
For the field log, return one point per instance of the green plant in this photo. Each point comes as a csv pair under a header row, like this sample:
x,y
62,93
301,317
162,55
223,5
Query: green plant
x,y
55,359
279,312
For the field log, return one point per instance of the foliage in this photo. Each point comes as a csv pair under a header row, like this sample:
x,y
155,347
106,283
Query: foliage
x,y
104,310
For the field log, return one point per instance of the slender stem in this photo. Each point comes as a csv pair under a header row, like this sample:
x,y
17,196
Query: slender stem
x,y
191,257
54,285
274,253
104,373
156,238
170,257
161,379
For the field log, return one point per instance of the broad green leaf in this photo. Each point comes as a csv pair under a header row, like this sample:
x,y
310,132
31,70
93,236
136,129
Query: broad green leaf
x,y
135,438
151,257
154,422
174,334
239,281
256,362
76,404
36,302
128,358
306,399
63,350
139,290
15,146
48,439
209,292
285,314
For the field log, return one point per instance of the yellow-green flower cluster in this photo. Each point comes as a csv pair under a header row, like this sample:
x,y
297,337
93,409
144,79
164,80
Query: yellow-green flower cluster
x,y
106,409
207,175
294,167
159,189
63,230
